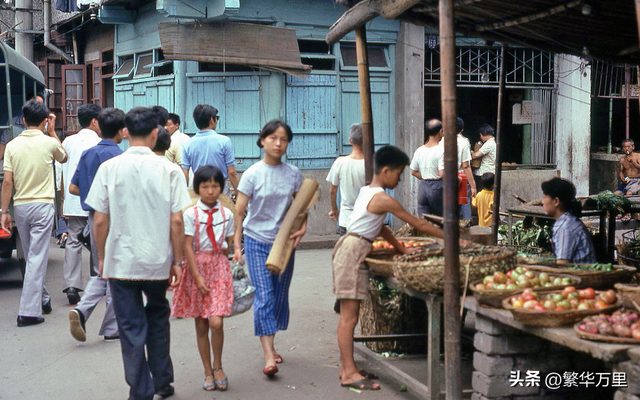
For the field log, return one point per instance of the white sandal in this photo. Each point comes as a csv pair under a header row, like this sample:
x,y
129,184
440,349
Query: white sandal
x,y
209,386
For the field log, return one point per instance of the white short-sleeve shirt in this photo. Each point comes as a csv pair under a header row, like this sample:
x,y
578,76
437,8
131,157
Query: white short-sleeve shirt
x,y
464,150
270,189
222,227
429,161
489,157
75,145
139,191
348,174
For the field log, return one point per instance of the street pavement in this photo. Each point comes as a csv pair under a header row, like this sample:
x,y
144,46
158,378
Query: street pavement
x,y
44,362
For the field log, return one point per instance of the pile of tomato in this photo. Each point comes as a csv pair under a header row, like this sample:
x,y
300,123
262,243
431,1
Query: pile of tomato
x,y
384,245
521,278
568,299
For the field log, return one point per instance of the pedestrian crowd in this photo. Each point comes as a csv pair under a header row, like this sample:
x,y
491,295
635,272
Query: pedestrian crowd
x,y
147,235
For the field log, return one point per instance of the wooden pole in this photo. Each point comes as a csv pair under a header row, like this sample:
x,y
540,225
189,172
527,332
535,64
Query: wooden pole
x,y
452,361
495,222
365,101
637,2
627,94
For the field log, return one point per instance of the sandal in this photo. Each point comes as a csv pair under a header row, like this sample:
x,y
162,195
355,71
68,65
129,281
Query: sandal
x,y
278,359
220,382
362,384
366,374
209,386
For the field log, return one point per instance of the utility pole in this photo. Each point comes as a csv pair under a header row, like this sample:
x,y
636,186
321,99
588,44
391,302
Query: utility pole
x,y
24,41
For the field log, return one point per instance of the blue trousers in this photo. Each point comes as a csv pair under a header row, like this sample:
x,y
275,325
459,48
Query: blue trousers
x,y
271,302
143,327
431,198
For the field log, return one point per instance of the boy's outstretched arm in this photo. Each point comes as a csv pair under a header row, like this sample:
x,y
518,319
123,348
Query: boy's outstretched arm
x,y
382,203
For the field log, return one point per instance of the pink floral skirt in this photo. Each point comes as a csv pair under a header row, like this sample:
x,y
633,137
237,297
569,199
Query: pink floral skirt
x,y
188,302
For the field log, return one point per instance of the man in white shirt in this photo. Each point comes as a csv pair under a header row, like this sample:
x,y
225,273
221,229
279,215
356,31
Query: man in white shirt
x,y
174,154
464,157
138,200
427,165
487,153
347,173
76,217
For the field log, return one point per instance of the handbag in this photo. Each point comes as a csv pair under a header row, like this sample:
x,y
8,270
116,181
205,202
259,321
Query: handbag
x,y
243,289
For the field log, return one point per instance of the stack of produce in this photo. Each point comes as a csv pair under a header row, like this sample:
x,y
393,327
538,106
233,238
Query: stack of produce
x,y
568,299
621,324
521,278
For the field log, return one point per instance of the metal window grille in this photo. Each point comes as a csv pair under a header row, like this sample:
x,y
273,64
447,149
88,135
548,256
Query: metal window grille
x,y
543,127
480,66
609,80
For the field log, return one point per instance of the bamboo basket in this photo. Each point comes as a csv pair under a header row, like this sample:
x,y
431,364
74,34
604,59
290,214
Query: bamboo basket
x,y
629,295
553,319
424,271
386,312
494,297
380,262
592,279
603,338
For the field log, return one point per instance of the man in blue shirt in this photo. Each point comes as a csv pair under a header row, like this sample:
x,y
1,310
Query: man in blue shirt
x,y
208,147
111,122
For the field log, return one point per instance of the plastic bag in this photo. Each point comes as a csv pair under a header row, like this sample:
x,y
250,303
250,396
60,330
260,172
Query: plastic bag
x,y
243,289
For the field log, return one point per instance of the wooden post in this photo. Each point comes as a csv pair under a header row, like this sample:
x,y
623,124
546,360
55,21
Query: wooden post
x,y
365,101
637,2
495,222
452,361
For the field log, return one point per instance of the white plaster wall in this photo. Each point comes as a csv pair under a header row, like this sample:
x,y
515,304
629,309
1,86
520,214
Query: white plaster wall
x,y
573,121
409,102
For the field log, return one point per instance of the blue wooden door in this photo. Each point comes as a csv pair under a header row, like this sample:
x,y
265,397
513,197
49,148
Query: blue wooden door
x,y
311,112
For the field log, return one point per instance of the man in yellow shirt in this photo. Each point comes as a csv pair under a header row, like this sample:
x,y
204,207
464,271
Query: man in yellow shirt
x,y
28,164
484,200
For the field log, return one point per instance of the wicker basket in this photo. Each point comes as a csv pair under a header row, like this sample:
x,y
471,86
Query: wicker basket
x,y
626,260
424,271
386,312
494,297
603,338
380,262
629,294
592,279
552,319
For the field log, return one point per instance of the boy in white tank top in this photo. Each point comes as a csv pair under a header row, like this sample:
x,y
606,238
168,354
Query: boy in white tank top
x,y
350,274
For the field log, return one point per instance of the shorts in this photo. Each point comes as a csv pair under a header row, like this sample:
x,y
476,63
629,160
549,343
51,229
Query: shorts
x,y
350,273
633,186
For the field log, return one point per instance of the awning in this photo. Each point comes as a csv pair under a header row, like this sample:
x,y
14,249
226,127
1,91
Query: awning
x,y
605,30
233,43
18,61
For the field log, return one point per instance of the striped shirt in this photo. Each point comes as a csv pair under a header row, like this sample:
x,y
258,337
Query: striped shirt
x,y
571,240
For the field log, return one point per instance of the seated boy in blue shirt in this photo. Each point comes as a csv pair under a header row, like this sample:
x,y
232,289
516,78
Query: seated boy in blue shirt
x,y
350,274
111,122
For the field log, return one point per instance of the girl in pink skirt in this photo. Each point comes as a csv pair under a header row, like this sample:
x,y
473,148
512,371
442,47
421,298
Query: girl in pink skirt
x,y
206,290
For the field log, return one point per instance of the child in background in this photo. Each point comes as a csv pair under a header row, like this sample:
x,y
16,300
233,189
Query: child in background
x,y
350,274
206,290
484,200
163,142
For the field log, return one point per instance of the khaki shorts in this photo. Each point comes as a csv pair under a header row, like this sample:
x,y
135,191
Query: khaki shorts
x,y
350,273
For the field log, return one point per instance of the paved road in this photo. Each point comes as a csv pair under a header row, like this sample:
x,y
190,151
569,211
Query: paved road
x,y
44,362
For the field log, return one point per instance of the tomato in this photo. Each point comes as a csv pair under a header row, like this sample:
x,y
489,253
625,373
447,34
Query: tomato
x,y
589,293
608,297
528,297
539,307
567,290
600,304
517,303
